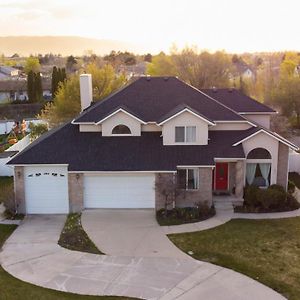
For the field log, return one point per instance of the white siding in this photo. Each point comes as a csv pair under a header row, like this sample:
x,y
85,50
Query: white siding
x,y
230,126
185,119
263,120
119,191
89,128
121,118
46,193
262,140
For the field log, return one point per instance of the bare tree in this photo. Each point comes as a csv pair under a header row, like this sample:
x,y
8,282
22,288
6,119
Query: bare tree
x,y
167,186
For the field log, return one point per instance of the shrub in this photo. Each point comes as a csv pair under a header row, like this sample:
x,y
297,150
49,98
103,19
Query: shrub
x,y
276,187
271,198
181,215
274,198
292,202
291,187
250,196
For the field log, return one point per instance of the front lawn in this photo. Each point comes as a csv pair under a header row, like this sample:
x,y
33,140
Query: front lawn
x,y
15,289
266,250
73,236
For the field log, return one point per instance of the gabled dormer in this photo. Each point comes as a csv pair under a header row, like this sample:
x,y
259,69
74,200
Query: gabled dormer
x,y
185,126
121,123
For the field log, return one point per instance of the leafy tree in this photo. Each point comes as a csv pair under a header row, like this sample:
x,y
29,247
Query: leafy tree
x,y
71,63
148,57
162,65
37,130
67,105
287,97
32,64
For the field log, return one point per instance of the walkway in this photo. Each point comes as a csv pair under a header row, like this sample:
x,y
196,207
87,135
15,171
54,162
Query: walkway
x,y
33,255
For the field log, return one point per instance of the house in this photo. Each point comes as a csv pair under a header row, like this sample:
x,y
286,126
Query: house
x,y
12,90
9,71
114,152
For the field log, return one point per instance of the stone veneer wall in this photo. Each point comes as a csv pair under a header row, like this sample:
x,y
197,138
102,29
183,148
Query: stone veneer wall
x,y
239,179
189,198
283,165
19,187
75,182
232,175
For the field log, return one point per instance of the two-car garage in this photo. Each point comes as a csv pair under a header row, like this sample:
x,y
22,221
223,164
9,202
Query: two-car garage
x,y
47,190
119,191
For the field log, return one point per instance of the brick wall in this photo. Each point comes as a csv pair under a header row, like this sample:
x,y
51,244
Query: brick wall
x,y
19,187
189,198
75,182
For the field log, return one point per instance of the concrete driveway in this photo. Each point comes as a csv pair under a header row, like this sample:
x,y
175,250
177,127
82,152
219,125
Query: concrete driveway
x,y
129,232
33,255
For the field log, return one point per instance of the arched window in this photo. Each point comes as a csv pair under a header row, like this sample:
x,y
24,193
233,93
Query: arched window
x,y
258,168
259,153
121,129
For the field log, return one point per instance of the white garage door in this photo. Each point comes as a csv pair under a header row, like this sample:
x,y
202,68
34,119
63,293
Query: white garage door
x,y
119,191
46,190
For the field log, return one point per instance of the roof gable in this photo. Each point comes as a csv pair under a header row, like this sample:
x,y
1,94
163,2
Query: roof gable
x,y
274,135
179,110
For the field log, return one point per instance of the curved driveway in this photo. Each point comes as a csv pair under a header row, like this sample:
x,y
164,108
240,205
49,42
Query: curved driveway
x,y
156,269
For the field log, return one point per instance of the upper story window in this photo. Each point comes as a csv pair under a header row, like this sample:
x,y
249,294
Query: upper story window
x,y
121,129
188,179
185,134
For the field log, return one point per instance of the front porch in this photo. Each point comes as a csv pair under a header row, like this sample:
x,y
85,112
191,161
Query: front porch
x,y
228,178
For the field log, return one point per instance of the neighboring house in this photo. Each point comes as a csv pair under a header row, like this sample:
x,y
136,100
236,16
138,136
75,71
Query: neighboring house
x,y
115,151
9,71
12,90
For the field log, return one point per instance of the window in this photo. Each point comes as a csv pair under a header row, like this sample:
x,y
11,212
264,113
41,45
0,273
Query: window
x,y
179,134
185,134
188,179
121,129
258,174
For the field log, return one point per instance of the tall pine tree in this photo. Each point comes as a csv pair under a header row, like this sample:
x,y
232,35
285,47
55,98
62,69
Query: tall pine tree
x,y
38,87
30,87
54,82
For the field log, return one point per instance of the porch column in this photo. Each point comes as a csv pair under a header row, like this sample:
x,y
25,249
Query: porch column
x,y
239,178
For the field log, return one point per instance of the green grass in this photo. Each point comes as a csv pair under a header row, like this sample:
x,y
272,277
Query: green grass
x,y
15,289
6,187
73,236
266,250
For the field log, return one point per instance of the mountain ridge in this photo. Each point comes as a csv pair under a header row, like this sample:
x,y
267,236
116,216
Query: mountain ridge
x,y
64,45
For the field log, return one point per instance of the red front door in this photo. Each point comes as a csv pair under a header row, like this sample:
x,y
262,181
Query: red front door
x,y
221,173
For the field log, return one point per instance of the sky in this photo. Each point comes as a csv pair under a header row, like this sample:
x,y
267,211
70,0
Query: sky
x,y
155,25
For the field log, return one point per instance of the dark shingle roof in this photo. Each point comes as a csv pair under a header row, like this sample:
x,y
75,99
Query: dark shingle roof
x,y
237,100
89,151
150,98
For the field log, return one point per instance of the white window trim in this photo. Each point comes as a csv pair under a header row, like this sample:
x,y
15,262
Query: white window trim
x,y
185,135
187,179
